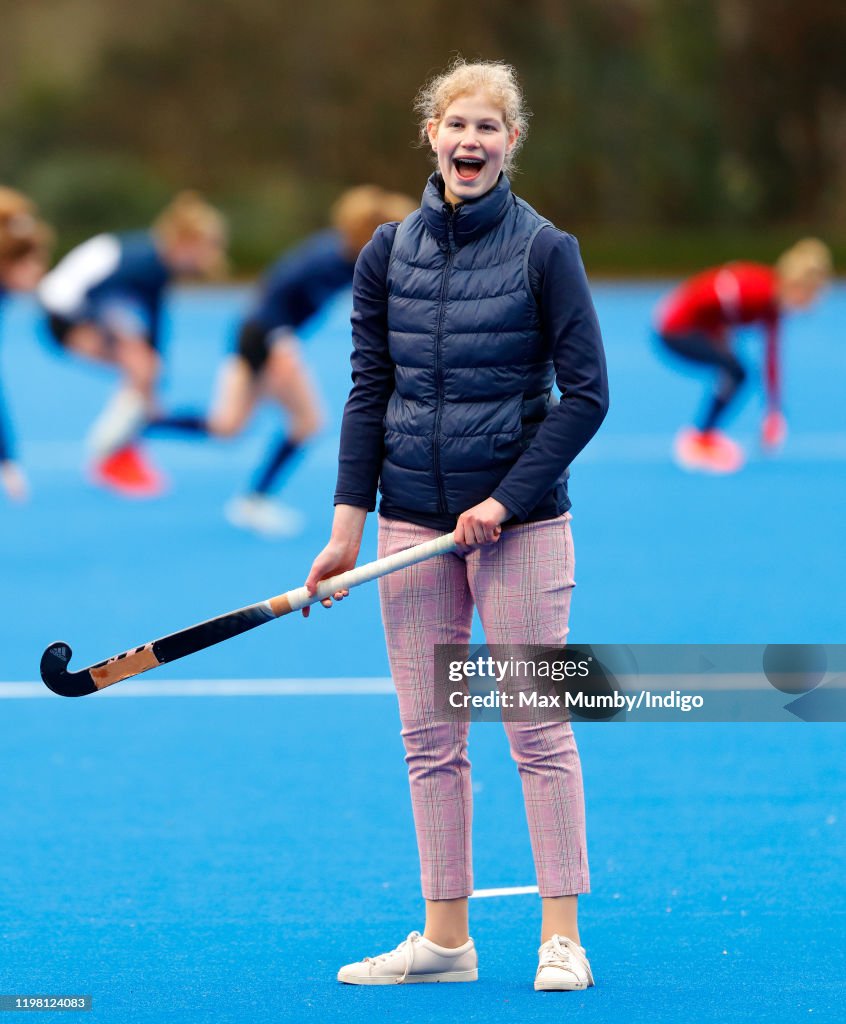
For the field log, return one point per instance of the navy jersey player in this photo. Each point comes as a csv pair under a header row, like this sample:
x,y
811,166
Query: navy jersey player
x,y
267,361
103,302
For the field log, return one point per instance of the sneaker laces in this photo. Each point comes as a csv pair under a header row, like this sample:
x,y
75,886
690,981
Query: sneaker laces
x,y
406,947
554,953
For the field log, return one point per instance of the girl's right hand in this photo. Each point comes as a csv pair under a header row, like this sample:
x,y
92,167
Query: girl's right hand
x,y
340,554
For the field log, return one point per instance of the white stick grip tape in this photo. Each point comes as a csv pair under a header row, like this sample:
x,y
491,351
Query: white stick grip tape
x,y
443,545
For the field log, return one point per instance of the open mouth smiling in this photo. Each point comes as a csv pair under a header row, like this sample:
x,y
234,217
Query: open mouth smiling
x,y
468,167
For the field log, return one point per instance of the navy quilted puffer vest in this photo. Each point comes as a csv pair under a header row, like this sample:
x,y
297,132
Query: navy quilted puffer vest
x,y
473,373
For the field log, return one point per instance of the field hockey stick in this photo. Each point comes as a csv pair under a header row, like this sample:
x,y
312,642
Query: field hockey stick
x,y
55,660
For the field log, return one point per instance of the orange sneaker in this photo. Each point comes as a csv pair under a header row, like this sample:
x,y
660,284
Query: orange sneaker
x,y
708,450
128,473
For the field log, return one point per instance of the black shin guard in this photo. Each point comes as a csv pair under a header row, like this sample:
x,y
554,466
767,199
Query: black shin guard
x,y
280,458
183,423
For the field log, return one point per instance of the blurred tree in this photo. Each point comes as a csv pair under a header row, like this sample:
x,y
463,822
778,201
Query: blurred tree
x,y
784,102
647,112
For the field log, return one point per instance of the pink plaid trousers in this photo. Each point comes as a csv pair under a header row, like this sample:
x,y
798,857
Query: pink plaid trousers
x,y
521,586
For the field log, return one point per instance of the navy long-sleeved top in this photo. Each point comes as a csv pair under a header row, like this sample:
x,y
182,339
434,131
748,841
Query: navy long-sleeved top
x,y
568,321
301,281
121,268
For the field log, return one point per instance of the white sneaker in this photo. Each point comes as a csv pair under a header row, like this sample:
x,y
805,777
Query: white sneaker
x,y
414,961
562,966
262,515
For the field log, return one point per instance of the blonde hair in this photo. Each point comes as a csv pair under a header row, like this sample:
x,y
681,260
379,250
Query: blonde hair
x,y
360,210
188,216
398,206
808,259
497,80
22,233
12,202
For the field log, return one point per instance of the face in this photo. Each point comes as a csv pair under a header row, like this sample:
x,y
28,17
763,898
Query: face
x,y
201,256
471,142
25,273
801,294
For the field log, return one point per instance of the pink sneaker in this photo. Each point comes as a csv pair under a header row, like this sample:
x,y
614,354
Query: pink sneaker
x,y
708,450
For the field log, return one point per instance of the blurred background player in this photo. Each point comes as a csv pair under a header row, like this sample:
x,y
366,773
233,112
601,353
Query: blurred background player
x,y
267,362
24,254
104,302
695,320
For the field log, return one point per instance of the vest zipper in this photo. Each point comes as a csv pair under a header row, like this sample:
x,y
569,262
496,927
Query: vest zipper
x,y
442,504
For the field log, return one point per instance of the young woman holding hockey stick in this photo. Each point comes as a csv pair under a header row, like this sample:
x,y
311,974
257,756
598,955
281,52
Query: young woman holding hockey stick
x,y
104,302
464,316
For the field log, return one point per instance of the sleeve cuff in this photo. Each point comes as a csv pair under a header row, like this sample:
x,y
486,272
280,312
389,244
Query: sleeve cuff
x,y
518,512
356,500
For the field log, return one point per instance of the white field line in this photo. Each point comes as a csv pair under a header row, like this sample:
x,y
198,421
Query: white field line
x,y
706,682
218,688
651,448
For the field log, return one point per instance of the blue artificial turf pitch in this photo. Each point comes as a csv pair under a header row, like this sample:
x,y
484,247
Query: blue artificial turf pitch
x,y
216,858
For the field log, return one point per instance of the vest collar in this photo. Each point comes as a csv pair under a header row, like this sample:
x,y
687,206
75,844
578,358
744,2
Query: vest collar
x,y
471,219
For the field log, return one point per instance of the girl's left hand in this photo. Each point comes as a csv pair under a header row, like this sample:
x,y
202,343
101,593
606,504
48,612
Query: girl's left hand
x,y
481,524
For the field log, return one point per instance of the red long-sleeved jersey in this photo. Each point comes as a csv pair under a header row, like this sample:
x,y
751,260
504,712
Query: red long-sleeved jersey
x,y
716,300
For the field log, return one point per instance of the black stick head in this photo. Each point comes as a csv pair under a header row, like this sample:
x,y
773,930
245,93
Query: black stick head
x,y
54,672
